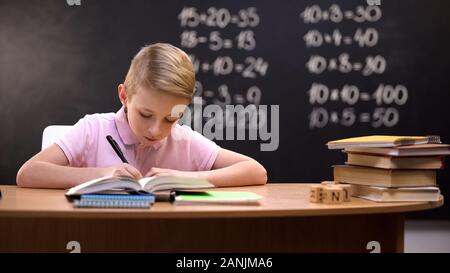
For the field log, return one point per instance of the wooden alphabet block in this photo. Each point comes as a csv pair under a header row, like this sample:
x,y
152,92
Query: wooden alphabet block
x,y
329,183
330,192
333,195
315,194
347,191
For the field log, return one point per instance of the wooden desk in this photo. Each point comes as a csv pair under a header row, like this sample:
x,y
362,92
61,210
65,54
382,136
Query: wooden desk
x,y
39,220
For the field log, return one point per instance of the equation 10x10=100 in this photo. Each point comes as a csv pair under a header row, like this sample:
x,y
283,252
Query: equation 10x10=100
x,y
350,94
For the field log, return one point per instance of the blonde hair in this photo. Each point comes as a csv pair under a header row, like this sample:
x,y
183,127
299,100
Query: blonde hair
x,y
163,67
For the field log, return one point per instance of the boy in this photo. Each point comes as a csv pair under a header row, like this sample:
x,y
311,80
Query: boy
x,y
161,78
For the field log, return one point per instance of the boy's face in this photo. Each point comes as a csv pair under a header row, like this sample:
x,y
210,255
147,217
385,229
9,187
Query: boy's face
x,y
151,114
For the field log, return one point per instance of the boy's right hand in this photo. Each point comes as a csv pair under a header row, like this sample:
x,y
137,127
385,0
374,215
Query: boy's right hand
x,y
123,170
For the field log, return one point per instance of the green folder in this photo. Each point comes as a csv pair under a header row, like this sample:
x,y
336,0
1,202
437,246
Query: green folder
x,y
217,197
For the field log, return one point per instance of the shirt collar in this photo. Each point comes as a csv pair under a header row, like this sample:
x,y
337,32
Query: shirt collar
x,y
125,132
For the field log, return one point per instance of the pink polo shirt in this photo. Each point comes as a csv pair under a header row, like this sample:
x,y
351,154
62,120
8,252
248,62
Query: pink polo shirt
x,y
85,145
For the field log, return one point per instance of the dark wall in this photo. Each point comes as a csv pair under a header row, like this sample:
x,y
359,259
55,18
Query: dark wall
x,y
59,62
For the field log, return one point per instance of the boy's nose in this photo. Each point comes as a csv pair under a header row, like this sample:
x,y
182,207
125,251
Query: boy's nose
x,y
154,131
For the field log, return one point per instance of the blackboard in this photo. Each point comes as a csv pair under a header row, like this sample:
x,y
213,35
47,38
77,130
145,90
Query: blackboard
x,y
327,70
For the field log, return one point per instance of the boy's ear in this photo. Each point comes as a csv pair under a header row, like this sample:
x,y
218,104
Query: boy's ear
x,y
121,90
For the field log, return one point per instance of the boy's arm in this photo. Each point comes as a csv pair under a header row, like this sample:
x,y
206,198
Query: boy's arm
x,y
229,169
49,169
234,169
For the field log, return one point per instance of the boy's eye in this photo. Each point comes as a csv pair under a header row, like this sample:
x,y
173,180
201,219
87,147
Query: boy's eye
x,y
145,116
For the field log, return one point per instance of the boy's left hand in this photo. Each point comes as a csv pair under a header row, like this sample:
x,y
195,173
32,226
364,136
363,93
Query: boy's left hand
x,y
169,172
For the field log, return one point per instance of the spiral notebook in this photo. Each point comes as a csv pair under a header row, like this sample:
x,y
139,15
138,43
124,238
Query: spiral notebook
x,y
114,201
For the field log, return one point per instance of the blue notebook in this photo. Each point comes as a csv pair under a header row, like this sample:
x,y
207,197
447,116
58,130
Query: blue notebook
x,y
114,201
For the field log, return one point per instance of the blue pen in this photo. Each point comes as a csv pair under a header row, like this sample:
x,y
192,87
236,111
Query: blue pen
x,y
116,148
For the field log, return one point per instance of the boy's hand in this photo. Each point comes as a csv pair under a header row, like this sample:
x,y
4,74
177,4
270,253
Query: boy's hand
x,y
123,170
169,172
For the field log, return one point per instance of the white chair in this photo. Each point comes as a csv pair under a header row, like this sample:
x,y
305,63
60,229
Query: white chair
x,y
52,132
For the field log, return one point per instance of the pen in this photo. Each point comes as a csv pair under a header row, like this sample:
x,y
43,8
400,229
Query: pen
x,y
116,148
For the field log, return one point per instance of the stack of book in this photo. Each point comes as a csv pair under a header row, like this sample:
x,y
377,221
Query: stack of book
x,y
391,168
